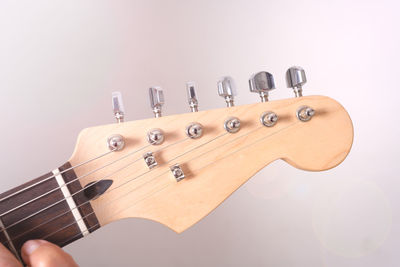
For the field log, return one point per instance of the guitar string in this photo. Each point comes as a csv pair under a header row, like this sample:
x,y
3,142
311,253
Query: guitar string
x,y
205,143
78,178
9,226
108,175
98,224
63,199
176,158
168,184
52,176
91,172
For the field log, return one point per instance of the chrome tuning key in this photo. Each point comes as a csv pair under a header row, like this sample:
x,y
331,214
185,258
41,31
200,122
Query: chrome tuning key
x,y
268,118
155,137
118,106
194,130
296,78
116,142
227,89
232,125
261,83
156,100
192,98
305,113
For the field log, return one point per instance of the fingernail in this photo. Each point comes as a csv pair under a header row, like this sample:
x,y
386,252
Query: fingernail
x,y
31,245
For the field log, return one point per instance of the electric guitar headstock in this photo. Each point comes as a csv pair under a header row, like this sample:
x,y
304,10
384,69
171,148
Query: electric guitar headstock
x,y
177,169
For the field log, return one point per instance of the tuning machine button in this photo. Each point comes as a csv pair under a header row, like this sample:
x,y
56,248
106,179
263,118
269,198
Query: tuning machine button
x,y
192,98
296,78
156,100
118,106
261,83
227,89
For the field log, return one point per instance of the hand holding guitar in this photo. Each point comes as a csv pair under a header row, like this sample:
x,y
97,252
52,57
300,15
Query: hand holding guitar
x,y
171,169
37,253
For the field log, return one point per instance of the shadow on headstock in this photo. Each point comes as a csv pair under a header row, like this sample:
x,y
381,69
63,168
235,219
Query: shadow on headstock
x,y
214,165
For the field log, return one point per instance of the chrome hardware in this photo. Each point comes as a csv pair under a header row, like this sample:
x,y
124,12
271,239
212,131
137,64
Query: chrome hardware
x,y
269,118
155,136
296,78
177,172
194,130
262,82
150,160
156,100
227,89
118,106
191,92
115,142
232,125
305,113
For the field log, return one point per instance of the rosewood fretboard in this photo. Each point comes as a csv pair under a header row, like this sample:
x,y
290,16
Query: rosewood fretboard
x,y
35,220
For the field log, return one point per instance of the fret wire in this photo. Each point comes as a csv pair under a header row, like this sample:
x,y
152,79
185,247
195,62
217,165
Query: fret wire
x,y
230,154
52,176
75,193
112,201
25,218
244,135
85,175
76,179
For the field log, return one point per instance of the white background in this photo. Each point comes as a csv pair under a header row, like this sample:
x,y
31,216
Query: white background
x,y
60,61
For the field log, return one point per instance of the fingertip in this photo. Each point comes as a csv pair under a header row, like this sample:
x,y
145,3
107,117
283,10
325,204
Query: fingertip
x,y
30,246
43,253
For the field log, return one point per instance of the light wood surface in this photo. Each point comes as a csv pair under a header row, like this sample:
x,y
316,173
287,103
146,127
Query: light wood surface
x,y
215,165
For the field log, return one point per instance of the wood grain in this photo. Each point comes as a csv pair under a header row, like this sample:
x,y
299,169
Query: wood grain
x,y
215,164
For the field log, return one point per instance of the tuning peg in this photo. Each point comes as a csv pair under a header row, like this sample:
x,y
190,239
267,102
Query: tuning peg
x,y
118,106
227,89
296,78
156,100
191,92
262,82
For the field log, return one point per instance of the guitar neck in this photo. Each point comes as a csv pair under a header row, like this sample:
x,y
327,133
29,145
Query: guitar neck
x,y
53,207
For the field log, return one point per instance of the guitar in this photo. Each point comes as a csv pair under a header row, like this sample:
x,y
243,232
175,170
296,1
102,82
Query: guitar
x,y
175,169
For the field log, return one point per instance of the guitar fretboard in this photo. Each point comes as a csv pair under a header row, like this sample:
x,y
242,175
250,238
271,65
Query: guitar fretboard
x,y
52,207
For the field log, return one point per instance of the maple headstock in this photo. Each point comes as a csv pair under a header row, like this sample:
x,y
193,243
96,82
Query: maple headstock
x,y
214,165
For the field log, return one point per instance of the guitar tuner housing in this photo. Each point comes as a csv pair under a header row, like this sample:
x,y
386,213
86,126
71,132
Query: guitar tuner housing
x,y
155,137
305,113
232,125
268,118
194,130
116,142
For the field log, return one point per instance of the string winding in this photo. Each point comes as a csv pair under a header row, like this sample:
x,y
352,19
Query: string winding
x,y
119,186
